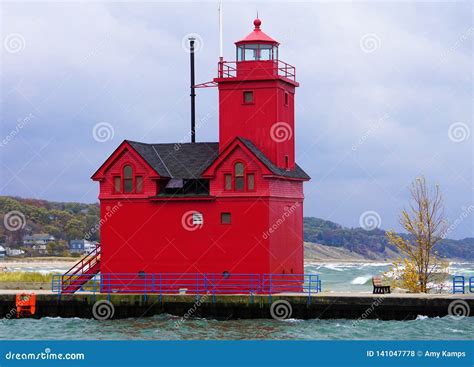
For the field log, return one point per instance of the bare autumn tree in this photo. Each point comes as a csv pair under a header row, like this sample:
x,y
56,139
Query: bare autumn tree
x,y
426,223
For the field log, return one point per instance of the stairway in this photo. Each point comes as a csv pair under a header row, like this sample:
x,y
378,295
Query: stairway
x,y
81,272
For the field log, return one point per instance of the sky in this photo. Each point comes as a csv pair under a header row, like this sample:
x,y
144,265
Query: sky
x,y
385,95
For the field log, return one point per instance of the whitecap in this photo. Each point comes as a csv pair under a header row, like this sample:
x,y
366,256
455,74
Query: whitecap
x,y
422,317
361,280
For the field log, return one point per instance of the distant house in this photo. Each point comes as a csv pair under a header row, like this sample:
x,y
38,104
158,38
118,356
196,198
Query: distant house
x,y
81,246
14,251
40,249
38,239
3,252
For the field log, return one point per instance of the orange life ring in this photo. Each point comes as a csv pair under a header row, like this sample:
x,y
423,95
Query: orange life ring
x,y
25,304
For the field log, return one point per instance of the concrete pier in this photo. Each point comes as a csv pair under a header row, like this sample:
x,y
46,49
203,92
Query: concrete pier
x,y
322,305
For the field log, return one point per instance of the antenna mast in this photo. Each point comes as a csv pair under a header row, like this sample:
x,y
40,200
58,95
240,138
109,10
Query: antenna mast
x,y
221,43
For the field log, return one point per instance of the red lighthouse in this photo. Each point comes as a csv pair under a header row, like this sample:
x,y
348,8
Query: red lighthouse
x,y
227,209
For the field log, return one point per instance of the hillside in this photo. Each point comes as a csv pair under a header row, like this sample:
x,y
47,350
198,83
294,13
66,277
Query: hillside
x,y
65,221
374,244
68,221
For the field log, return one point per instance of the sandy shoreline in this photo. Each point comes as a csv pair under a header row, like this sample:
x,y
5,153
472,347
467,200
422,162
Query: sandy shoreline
x,y
62,263
37,263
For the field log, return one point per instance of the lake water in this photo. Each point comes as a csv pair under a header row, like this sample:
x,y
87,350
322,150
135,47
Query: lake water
x,y
335,277
164,327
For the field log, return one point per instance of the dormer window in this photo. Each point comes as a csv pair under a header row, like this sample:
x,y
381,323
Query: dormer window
x,y
240,179
117,184
239,176
128,182
127,179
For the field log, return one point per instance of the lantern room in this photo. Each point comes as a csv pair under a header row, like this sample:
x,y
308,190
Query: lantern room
x,y
257,46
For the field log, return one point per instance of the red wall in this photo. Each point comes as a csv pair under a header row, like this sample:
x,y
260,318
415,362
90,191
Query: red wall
x,y
140,233
150,236
285,236
255,121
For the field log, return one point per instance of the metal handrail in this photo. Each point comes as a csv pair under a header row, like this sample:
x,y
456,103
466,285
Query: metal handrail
x,y
194,283
228,69
458,284
87,262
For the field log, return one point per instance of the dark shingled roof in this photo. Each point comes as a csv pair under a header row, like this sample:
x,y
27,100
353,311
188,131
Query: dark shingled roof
x,y
296,173
190,160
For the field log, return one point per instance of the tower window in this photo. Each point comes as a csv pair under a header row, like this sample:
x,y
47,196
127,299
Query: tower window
x,y
248,97
287,163
286,98
225,218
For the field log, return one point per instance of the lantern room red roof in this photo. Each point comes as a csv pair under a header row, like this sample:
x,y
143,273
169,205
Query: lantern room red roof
x,y
257,36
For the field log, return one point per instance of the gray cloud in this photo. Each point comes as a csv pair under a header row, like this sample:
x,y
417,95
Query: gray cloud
x,y
370,116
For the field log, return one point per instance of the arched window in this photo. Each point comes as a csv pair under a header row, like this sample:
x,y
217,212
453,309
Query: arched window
x,y
127,182
127,179
239,176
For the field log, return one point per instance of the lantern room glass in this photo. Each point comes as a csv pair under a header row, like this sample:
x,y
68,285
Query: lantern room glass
x,y
257,52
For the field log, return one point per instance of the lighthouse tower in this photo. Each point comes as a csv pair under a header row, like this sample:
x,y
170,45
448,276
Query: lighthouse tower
x,y
256,98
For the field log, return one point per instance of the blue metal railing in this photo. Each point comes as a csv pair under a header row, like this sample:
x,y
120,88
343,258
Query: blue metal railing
x,y
459,284
196,283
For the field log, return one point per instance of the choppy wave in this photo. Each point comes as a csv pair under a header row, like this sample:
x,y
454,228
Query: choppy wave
x,y
365,279
164,327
